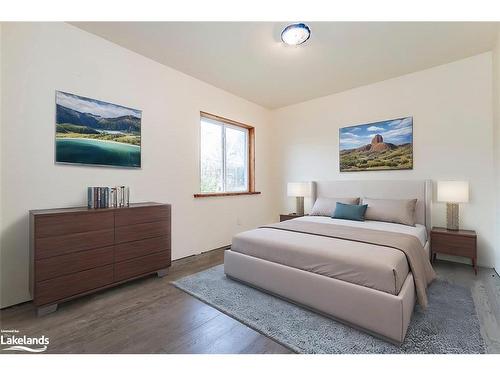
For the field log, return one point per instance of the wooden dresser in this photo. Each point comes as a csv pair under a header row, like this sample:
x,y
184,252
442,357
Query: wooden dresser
x,y
77,251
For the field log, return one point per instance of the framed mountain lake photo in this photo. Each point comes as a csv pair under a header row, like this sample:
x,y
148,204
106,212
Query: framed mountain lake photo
x,y
93,132
383,145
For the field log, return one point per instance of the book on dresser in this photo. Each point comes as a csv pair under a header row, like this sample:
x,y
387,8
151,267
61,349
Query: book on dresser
x,y
77,251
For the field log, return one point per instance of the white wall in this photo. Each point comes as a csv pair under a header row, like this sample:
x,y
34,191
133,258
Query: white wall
x,y
496,138
451,107
41,58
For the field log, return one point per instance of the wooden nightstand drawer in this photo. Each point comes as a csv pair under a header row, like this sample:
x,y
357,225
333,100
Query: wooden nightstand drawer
x,y
460,246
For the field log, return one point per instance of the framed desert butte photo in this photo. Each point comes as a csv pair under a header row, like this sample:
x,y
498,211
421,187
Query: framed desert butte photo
x,y
93,132
383,145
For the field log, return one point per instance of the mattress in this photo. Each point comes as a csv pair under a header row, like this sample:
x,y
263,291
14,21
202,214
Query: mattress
x,y
377,267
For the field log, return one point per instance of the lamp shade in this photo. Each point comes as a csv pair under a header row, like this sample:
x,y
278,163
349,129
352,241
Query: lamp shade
x,y
299,189
453,191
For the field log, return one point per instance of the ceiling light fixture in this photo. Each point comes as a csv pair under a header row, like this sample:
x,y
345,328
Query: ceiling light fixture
x,y
295,34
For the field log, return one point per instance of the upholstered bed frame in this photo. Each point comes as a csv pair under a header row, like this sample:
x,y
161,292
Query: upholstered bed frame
x,y
379,313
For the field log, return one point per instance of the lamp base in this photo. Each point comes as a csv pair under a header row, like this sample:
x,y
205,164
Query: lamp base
x,y
452,216
300,206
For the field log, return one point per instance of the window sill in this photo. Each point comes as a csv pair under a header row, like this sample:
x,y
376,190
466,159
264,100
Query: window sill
x,y
208,195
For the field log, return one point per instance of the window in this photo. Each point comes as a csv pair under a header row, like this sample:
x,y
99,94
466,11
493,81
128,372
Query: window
x,y
226,157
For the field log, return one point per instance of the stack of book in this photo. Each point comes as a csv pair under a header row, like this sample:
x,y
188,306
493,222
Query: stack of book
x,y
105,197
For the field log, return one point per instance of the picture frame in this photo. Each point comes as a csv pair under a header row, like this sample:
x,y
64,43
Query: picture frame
x,y
377,146
96,133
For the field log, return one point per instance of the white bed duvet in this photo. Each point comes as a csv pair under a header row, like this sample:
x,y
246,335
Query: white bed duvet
x,y
376,267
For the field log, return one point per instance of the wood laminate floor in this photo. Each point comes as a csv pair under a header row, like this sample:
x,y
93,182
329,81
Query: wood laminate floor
x,y
152,316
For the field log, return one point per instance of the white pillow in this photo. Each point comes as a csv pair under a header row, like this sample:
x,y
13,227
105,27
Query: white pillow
x,y
326,206
401,211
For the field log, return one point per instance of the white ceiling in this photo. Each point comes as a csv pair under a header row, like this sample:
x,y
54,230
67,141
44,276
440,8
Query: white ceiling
x,y
248,59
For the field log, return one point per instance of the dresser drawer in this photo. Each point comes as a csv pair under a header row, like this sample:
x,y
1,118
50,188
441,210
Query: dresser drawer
x,y
57,225
62,287
142,265
140,215
70,243
129,250
50,268
447,244
141,231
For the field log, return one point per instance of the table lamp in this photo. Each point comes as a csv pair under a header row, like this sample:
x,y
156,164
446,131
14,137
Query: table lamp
x,y
453,193
299,190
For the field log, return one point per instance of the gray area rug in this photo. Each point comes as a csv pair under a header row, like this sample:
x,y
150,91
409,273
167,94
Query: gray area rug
x,y
449,325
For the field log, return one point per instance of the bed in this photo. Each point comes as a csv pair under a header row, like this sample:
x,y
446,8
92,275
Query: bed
x,y
366,285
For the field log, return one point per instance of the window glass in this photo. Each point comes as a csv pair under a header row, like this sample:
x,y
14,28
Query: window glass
x,y
236,159
211,157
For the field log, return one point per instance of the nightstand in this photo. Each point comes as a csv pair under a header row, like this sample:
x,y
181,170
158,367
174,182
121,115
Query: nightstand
x,y
284,217
454,242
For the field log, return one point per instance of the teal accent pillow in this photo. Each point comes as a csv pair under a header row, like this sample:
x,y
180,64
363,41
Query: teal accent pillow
x,y
350,211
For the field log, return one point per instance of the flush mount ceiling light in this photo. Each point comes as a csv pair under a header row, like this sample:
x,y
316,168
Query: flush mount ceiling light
x,y
295,34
